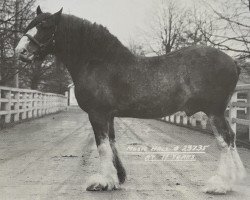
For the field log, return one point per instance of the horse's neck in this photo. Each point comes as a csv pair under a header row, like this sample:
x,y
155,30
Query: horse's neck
x,y
80,44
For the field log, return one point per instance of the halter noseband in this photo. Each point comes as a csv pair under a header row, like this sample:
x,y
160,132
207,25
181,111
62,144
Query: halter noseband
x,y
43,46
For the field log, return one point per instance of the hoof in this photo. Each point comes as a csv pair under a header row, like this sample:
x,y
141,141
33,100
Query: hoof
x,y
216,185
102,183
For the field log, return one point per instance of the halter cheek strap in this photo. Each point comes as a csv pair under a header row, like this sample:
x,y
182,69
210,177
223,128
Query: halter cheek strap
x,y
32,39
44,46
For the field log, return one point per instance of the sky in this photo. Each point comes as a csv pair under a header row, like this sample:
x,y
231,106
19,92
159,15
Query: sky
x,y
123,18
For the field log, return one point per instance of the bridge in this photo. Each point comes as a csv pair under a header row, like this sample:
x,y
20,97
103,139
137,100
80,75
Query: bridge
x,y
52,157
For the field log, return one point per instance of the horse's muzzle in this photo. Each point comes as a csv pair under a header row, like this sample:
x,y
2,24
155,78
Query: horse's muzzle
x,y
26,58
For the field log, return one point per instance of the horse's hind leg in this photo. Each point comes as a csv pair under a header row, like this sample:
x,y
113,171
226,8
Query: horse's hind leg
x,y
108,179
116,160
230,167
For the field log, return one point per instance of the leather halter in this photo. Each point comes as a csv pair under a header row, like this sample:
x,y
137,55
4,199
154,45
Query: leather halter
x,y
42,47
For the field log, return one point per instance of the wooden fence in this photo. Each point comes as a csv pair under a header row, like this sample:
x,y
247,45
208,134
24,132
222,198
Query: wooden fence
x,y
200,120
19,104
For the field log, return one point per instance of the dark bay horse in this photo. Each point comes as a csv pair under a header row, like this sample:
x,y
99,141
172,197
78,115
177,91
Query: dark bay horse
x,y
112,82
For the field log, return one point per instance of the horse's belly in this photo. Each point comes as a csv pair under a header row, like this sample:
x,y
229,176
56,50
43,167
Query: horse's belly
x,y
153,108
143,114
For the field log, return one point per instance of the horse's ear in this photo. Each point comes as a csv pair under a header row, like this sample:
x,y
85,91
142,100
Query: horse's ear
x,y
57,16
38,10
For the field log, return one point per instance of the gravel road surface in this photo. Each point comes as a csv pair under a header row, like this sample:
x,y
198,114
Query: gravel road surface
x,y
52,157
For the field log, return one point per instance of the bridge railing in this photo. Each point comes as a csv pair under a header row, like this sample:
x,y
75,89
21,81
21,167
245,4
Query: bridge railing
x,y
19,104
200,120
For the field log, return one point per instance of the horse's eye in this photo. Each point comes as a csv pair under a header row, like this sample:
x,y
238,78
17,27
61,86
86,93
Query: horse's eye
x,y
43,24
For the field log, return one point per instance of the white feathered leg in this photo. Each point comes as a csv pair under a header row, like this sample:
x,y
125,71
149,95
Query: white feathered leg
x,y
230,168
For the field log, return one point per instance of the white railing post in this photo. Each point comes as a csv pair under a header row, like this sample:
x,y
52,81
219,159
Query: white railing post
x,y
172,118
178,118
43,104
233,112
192,121
185,119
48,104
16,106
39,104
24,106
35,104
52,106
167,119
29,105
7,106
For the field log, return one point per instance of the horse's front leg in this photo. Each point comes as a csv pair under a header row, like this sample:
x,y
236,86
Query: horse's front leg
x,y
121,173
107,179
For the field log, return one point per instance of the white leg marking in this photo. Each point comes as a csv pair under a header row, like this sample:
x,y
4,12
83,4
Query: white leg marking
x,y
230,168
106,156
240,169
108,178
229,171
25,41
221,141
217,185
227,168
218,137
221,183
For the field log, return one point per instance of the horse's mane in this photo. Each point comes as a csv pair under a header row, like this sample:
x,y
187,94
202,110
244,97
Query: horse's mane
x,y
91,40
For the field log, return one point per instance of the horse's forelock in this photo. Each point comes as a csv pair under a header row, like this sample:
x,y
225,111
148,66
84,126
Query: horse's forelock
x,y
36,21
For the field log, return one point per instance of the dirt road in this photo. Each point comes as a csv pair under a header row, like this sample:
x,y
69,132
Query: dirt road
x,y
52,157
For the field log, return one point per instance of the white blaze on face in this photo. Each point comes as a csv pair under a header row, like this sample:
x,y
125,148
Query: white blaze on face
x,y
23,43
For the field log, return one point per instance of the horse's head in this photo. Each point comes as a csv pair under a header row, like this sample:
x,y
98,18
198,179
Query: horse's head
x,y
39,37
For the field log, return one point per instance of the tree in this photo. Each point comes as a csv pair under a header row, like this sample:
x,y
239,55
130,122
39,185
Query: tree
x,y
48,76
136,48
167,27
14,17
174,27
57,80
232,29
197,21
